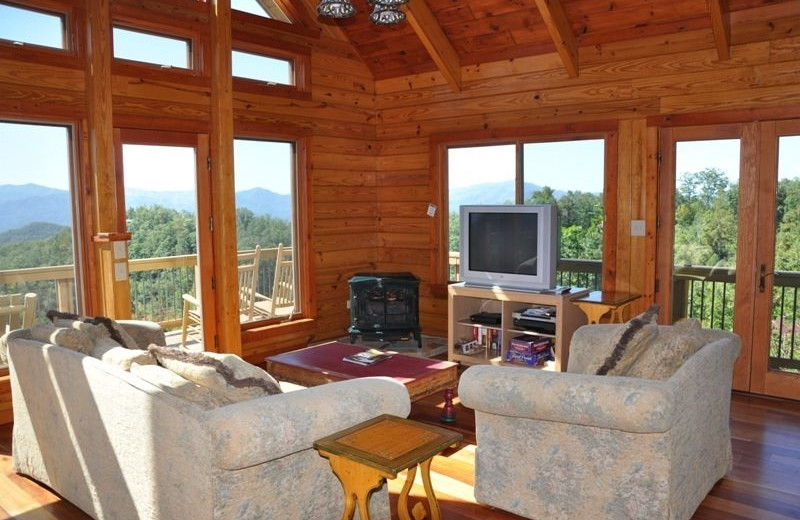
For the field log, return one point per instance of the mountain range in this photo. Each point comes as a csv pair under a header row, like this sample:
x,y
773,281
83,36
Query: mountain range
x,y
29,203
492,193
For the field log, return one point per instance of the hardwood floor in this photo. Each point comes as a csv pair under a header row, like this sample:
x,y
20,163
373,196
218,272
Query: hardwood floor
x,y
764,483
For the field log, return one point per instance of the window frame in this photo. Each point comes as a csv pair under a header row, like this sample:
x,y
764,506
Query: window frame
x,y
299,59
74,34
148,21
440,143
302,212
82,227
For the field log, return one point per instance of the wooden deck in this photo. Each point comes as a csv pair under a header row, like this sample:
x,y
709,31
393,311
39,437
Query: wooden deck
x,y
764,483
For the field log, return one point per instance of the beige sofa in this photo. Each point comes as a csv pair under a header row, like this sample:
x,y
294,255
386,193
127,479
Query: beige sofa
x,y
579,446
121,448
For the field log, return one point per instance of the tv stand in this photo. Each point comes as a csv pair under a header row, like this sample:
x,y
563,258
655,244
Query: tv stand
x,y
466,300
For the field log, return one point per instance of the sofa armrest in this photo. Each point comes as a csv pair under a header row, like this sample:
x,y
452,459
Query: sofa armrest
x,y
144,333
621,403
252,432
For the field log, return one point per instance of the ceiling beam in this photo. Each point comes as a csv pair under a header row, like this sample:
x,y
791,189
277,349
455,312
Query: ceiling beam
x,y
435,41
561,32
721,28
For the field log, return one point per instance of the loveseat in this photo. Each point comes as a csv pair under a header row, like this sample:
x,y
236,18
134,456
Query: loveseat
x,y
577,445
121,447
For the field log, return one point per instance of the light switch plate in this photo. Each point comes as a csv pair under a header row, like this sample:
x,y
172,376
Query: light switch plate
x,y
637,228
120,271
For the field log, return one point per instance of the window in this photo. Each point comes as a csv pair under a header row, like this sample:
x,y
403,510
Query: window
x,y
265,185
28,26
569,173
37,227
262,68
145,47
265,8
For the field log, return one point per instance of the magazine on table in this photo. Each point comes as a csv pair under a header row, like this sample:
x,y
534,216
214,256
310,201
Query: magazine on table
x,y
367,357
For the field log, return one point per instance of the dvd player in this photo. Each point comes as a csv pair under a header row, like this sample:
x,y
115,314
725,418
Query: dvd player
x,y
542,324
486,318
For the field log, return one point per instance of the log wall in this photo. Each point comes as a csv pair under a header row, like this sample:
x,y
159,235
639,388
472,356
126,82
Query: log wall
x,y
637,86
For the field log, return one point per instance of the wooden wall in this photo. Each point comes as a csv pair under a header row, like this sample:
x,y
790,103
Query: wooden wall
x,y
636,85
334,120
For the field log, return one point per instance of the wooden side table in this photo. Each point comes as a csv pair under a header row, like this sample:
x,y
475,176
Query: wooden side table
x,y
597,304
364,456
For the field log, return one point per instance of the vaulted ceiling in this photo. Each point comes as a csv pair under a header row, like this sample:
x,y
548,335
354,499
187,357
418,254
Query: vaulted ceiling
x,y
446,35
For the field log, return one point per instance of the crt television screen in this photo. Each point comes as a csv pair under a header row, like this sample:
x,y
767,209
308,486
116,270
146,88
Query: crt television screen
x,y
503,242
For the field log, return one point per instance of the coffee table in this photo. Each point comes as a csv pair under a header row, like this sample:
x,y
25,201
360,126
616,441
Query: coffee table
x,y
364,456
321,364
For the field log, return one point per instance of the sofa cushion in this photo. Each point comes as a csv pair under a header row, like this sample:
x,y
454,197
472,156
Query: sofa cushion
x,y
106,326
176,385
109,351
674,346
629,341
227,374
66,337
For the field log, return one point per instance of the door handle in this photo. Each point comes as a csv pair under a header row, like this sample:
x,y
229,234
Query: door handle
x,y
762,278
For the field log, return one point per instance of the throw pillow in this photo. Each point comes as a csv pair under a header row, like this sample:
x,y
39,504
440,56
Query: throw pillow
x,y
178,386
674,346
70,338
109,351
227,374
91,330
630,341
106,326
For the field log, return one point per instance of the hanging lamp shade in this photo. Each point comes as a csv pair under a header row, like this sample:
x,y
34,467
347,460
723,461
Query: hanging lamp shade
x,y
336,8
387,12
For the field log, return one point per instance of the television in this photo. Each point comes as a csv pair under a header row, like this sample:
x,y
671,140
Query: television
x,y
510,246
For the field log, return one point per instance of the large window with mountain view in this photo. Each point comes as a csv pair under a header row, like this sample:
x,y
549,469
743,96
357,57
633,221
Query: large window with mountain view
x,y
567,173
36,228
266,221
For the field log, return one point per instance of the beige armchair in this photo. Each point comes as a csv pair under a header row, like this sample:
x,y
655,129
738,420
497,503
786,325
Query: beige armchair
x,y
572,446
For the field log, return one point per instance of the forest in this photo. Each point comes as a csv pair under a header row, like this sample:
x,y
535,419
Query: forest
x,y
157,232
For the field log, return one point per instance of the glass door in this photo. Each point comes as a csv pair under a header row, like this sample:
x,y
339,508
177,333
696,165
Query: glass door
x,y
776,346
166,198
727,243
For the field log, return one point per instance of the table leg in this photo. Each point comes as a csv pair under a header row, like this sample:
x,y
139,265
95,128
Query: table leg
x,y
358,482
402,500
418,511
433,504
448,414
593,311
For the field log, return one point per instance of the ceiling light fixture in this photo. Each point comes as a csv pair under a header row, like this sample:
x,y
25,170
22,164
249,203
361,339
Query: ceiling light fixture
x,y
336,8
384,12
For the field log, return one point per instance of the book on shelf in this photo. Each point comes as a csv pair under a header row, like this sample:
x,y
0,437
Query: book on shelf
x,y
367,357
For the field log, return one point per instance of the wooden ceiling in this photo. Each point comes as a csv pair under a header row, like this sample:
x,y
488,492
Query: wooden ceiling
x,y
446,35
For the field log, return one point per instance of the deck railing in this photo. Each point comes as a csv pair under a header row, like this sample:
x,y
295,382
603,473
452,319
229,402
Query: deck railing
x,y
569,271
705,293
157,285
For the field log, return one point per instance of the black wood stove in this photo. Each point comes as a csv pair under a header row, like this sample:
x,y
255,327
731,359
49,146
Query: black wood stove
x,y
384,306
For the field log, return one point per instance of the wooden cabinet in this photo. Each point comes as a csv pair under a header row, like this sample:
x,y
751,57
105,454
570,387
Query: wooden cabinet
x,y
465,301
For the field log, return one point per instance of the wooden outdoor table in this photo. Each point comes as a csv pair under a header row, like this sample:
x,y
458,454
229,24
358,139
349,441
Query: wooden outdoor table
x,y
364,456
597,304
